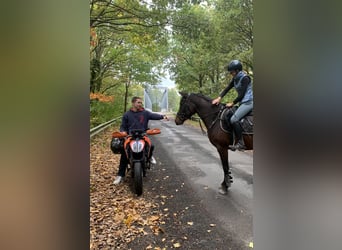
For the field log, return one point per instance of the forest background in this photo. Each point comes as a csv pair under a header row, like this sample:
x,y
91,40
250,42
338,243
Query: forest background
x,y
136,44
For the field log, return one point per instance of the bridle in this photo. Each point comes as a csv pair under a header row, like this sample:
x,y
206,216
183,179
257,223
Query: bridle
x,y
184,116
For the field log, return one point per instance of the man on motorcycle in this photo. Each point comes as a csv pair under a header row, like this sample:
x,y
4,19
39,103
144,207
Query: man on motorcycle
x,y
136,118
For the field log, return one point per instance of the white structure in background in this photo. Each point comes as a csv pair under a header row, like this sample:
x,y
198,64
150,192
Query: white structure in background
x,y
163,103
147,101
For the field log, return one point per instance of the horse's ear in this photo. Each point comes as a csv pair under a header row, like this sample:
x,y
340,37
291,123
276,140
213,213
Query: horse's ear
x,y
182,93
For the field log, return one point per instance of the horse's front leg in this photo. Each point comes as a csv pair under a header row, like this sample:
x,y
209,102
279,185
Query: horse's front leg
x,y
228,179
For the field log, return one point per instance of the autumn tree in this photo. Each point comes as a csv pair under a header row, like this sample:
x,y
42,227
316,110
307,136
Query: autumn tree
x,y
206,36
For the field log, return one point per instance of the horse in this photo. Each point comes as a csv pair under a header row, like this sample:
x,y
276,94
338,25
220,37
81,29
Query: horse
x,y
211,115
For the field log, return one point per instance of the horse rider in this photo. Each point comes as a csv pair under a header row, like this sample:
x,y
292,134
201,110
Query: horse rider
x,y
243,85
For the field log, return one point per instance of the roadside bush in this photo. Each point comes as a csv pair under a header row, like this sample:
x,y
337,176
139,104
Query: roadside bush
x,y
101,112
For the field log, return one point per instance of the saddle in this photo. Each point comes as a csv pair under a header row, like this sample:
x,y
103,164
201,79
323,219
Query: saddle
x,y
246,122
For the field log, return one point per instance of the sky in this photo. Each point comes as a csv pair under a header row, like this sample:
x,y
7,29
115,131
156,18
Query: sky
x,y
167,82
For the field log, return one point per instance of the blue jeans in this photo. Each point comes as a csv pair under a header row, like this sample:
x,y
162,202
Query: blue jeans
x,y
242,110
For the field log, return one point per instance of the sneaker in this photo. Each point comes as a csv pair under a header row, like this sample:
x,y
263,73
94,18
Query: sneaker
x,y
153,161
117,180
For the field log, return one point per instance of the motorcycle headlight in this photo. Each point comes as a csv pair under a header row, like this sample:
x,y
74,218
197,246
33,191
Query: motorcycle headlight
x,y
137,146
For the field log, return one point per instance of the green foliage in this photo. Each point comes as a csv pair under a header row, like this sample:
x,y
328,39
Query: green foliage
x,y
101,112
127,52
205,39
174,99
193,40
130,42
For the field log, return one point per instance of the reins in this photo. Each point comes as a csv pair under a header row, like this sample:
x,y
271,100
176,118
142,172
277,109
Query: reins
x,y
203,132
217,117
213,122
182,115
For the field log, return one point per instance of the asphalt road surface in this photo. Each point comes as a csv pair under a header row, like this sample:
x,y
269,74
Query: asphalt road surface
x,y
187,157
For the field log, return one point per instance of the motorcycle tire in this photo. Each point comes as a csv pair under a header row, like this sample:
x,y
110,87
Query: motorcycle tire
x,y
138,178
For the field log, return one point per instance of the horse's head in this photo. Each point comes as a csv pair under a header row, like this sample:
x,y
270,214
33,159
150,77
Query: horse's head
x,y
186,109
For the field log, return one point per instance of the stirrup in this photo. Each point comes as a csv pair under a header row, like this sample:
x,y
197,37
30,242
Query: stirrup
x,y
232,147
238,146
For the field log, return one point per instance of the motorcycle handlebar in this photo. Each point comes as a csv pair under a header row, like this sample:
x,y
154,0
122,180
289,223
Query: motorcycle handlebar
x,y
119,134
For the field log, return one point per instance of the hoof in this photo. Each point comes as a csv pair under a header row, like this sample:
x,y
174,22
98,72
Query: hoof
x,y
223,191
228,181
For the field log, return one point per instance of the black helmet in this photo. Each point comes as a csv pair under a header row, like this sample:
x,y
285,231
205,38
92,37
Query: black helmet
x,y
234,65
116,145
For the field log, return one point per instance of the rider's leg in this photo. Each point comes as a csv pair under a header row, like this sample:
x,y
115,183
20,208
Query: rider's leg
x,y
243,110
238,137
152,160
123,164
122,168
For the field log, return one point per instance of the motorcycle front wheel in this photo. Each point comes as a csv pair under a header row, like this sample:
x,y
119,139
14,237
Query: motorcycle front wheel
x,y
138,178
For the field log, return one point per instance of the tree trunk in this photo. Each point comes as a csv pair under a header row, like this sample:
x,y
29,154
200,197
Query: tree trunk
x,y
127,84
95,76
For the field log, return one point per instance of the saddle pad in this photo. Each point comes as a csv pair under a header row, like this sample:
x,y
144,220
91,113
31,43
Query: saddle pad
x,y
246,122
225,126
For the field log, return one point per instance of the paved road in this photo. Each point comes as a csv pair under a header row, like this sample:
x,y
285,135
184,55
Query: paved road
x,y
197,160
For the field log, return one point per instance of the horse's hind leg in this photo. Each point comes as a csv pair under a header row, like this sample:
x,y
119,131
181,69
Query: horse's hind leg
x,y
228,179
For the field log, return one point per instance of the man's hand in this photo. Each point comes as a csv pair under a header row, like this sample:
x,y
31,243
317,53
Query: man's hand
x,y
229,104
165,118
216,101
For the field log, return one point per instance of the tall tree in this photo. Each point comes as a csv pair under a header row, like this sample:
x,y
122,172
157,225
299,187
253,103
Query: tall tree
x,y
122,27
205,38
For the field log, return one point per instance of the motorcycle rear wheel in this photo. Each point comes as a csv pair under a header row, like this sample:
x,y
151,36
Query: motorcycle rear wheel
x,y
138,178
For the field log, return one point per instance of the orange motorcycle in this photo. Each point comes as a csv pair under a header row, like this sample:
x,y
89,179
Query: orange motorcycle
x,y
137,147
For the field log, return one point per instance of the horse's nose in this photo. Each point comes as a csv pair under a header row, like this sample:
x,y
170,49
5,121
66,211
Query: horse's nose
x,y
178,121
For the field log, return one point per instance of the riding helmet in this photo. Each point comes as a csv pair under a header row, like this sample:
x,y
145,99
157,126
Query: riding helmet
x,y
234,65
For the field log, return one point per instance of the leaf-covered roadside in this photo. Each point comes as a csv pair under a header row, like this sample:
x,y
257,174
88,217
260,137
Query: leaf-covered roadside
x,y
168,215
117,216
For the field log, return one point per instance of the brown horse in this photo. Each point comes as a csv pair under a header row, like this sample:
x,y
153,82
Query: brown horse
x,y
211,116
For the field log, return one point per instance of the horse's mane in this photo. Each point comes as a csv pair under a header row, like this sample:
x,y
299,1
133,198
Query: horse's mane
x,y
208,99
203,96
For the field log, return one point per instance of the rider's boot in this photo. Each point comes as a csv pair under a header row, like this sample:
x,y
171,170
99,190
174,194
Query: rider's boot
x,y
240,145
